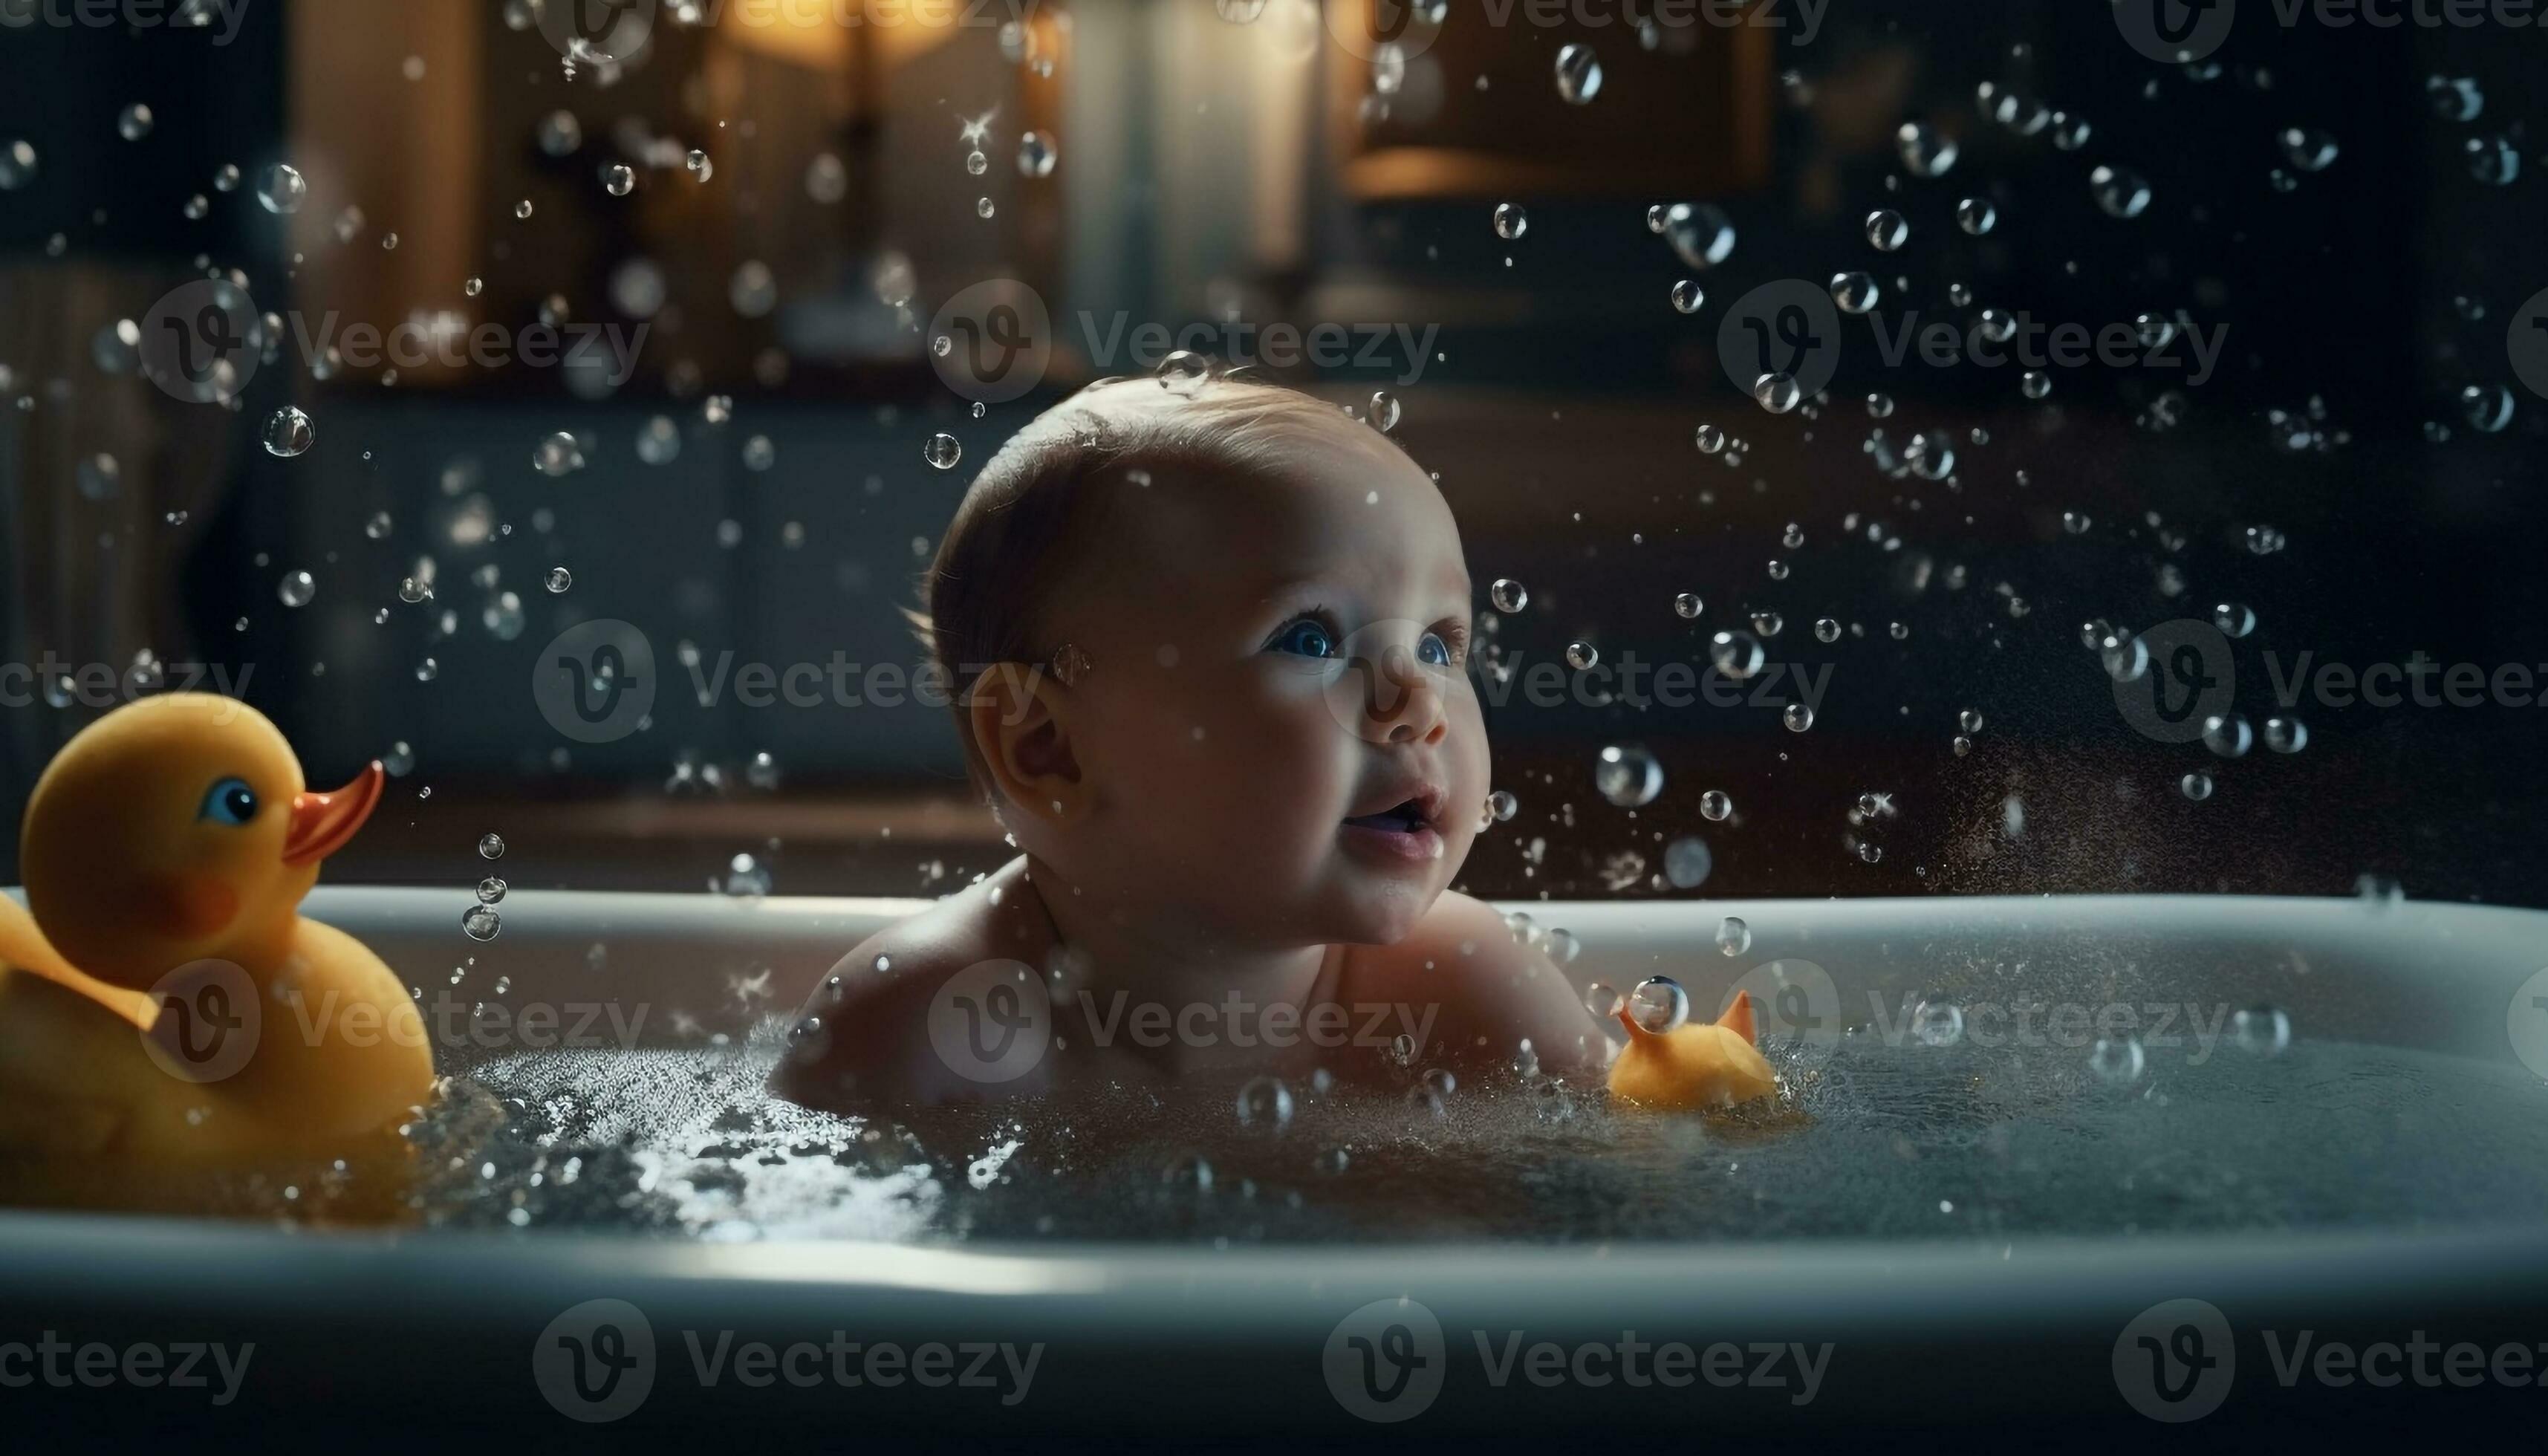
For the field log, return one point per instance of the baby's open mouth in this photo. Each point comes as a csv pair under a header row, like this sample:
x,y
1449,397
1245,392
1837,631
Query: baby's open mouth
x,y
1404,818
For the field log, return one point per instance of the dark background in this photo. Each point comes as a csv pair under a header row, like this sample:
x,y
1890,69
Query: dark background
x,y
1197,178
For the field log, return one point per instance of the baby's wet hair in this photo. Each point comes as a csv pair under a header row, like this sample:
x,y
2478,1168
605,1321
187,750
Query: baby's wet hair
x,y
1019,523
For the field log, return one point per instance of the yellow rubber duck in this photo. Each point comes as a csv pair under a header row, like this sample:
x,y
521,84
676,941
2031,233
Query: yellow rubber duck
x,y
1693,1067
165,1001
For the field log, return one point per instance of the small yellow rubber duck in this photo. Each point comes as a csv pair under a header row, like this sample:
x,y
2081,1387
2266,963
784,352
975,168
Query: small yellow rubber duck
x,y
165,1000
1695,1067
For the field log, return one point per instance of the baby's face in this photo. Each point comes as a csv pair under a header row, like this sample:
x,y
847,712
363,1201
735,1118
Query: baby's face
x,y
1278,726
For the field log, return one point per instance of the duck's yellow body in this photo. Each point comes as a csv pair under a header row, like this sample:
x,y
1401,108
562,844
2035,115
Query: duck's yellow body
x,y
1695,1067
161,998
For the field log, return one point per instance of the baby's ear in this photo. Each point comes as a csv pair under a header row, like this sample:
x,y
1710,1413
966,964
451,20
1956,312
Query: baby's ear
x,y
1023,741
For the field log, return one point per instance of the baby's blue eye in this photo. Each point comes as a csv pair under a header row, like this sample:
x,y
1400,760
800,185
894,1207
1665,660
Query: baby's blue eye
x,y
1433,651
1307,637
231,802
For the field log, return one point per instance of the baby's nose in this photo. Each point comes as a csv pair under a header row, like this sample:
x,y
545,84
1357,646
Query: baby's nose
x,y
1404,704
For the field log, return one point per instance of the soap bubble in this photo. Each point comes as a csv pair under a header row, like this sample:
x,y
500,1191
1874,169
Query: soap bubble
x,y
1184,373
1977,215
758,454
1035,156
1603,1000
492,846
1582,656
1512,222
2454,98
1826,629
2492,161
1711,440
1264,1105
559,133
2308,148
747,879
943,451
2196,786
1579,75
2228,735
1687,606
753,289
1737,654
1627,776
2121,194
1778,393
1384,411
18,165
1507,594
490,891
2286,735
1687,863
1733,935
1699,232
1659,1005
559,580
480,922
1937,1024
2116,1060
288,432
618,179
1924,152
2035,384
1798,716
134,123
1716,807
1502,805
2235,619
1886,230
2262,1031
297,589
659,441
1855,293
1687,296
2487,406
557,455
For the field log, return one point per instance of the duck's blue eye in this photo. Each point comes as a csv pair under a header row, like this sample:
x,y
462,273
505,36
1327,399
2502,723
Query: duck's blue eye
x,y
231,802
1433,651
1307,637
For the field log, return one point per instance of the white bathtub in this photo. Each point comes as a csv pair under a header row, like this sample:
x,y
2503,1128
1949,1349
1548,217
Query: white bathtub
x,y
421,1338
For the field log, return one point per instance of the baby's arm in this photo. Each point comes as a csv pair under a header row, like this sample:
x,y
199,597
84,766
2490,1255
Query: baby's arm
x,y
1486,991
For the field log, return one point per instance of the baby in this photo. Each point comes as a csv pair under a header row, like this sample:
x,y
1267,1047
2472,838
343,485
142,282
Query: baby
x,y
1210,654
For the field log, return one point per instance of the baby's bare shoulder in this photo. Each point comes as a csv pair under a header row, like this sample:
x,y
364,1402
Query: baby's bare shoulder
x,y
1485,990
865,1038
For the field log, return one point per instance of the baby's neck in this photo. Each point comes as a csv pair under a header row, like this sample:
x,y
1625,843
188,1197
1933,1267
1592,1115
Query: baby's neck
x,y
1108,951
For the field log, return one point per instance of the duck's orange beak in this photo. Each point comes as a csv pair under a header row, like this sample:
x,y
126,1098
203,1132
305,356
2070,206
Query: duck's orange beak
x,y
322,823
